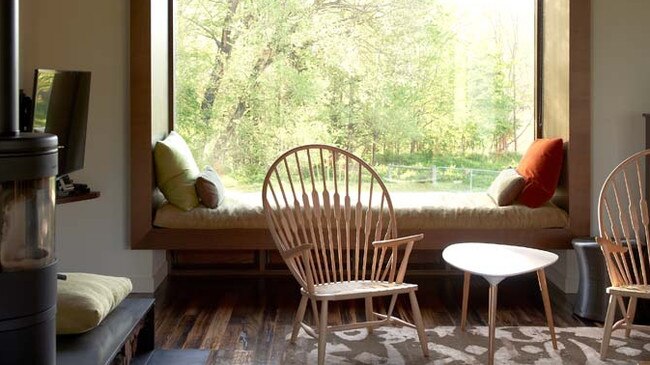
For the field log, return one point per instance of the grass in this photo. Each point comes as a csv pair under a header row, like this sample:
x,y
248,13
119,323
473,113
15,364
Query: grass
x,y
452,172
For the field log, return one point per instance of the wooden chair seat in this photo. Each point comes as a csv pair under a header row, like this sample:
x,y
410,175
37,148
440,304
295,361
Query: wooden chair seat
x,y
638,291
359,289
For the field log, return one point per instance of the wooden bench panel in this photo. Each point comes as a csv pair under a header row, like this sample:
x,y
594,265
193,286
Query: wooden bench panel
x,y
260,239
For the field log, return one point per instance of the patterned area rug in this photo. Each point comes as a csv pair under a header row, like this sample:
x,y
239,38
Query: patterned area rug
x,y
449,345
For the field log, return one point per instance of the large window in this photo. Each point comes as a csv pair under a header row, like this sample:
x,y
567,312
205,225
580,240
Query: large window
x,y
436,94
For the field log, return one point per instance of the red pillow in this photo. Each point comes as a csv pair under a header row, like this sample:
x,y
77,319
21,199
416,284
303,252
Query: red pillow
x,y
541,167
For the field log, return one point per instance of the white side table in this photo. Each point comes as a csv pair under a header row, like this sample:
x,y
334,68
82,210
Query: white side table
x,y
496,262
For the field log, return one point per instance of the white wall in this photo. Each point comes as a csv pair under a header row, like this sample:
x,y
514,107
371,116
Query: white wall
x,y
92,236
620,86
93,35
620,57
620,92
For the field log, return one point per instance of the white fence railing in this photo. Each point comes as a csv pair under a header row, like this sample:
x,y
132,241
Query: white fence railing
x,y
442,177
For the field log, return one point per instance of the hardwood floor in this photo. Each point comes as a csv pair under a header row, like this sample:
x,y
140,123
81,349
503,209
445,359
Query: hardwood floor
x,y
244,320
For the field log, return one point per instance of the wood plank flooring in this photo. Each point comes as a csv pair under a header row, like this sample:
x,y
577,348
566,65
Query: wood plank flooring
x,y
245,320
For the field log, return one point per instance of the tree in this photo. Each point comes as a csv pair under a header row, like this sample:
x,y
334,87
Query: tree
x,y
378,78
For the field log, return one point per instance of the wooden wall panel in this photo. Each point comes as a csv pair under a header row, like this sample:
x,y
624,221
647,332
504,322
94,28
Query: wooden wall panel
x,y
159,70
580,118
566,100
198,258
140,94
555,65
149,106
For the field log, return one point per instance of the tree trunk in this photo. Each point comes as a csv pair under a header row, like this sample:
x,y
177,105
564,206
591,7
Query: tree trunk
x,y
514,106
224,44
242,105
211,91
513,64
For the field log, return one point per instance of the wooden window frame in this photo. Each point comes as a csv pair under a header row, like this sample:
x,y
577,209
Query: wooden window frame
x,y
574,192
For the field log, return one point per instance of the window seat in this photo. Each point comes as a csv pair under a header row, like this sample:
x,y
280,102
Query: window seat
x,y
414,211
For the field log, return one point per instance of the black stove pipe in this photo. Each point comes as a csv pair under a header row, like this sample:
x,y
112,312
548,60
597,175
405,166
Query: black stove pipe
x,y
9,67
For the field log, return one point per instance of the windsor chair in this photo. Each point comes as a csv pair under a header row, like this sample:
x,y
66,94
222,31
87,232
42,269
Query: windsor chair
x,y
332,220
623,222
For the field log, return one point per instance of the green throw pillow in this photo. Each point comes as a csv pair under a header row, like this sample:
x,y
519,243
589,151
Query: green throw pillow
x,y
176,171
84,300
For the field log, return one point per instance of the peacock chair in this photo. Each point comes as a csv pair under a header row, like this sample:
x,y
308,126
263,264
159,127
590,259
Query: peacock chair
x,y
623,222
332,220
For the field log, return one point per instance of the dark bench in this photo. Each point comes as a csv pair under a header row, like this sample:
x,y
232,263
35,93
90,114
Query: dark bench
x,y
126,332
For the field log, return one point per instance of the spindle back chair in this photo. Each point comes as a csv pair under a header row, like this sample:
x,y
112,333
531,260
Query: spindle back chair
x,y
624,225
332,220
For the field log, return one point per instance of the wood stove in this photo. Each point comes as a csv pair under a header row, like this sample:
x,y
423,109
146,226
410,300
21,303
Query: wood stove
x,y
28,166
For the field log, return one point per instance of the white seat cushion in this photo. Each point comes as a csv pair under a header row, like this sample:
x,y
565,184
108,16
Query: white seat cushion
x,y
417,210
360,289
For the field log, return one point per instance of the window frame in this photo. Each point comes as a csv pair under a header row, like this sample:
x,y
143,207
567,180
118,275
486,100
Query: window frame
x,y
146,128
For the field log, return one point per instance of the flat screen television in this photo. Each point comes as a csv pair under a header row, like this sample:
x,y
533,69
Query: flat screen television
x,y
60,102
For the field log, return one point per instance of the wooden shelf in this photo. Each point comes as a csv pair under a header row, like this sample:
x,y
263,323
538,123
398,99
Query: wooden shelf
x,y
78,197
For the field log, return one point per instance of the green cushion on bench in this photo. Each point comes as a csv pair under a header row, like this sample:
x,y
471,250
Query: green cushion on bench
x,y
84,300
176,171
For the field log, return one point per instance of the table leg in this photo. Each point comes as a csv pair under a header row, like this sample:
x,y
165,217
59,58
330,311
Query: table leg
x,y
492,314
547,305
463,316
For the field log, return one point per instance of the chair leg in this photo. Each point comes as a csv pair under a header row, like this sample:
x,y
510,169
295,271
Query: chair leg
x,y
417,318
370,316
322,333
629,317
463,315
299,316
547,305
492,319
622,307
607,326
314,309
391,306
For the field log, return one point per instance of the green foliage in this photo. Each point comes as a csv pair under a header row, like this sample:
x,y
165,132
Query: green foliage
x,y
381,79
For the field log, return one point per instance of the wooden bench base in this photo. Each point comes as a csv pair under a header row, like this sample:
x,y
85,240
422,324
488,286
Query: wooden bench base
x,y
260,239
126,332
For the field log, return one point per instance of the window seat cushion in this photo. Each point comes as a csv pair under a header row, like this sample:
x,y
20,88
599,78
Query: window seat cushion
x,y
414,210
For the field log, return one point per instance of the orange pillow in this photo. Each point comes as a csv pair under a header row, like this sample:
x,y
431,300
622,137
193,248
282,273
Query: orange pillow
x,y
541,167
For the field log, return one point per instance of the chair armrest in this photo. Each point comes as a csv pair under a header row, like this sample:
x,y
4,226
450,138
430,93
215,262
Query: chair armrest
x,y
298,261
609,247
396,275
398,241
295,251
613,260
